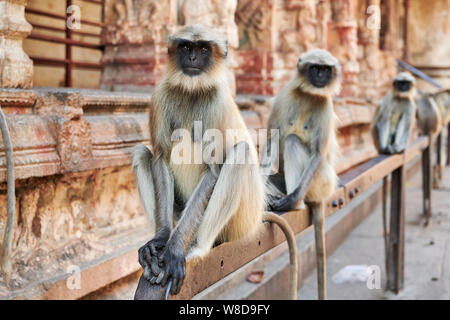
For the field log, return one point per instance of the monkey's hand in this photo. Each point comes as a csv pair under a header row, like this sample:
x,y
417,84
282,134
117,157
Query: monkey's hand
x,y
278,203
173,264
148,254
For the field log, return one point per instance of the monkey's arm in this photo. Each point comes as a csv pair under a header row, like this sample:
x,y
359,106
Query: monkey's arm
x,y
295,146
404,130
380,129
269,155
156,188
172,259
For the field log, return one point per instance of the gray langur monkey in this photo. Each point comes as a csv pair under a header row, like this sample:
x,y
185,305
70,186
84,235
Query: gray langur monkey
x,y
394,117
304,115
428,114
442,98
195,204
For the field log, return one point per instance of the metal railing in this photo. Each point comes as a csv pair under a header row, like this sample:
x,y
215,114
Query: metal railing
x,y
68,63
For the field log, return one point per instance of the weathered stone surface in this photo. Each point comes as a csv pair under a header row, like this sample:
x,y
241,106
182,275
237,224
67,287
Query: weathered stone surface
x,y
68,130
16,68
135,33
430,51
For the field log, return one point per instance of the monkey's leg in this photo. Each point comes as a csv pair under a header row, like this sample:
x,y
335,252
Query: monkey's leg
x,y
296,158
297,148
234,178
381,132
403,131
274,183
154,180
318,216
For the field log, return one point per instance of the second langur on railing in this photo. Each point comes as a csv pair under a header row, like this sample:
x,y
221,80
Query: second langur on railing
x,y
304,115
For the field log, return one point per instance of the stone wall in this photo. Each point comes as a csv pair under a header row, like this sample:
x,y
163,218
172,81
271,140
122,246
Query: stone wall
x,y
428,34
75,190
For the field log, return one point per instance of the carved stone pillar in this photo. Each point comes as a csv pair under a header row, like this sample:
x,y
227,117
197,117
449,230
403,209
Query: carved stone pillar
x,y
273,35
16,68
135,36
255,20
368,39
345,44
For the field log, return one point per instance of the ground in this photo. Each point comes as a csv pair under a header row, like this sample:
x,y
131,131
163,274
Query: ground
x,y
427,251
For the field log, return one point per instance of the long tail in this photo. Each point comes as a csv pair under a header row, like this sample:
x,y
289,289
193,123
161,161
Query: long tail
x,y
321,256
293,260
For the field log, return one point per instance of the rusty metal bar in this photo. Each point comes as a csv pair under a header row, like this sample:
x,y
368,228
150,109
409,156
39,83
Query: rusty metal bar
x,y
63,62
81,33
437,172
98,2
68,66
448,144
61,17
65,41
427,174
405,30
396,248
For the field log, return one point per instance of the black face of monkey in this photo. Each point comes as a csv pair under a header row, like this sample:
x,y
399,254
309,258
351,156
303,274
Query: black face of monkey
x,y
319,75
402,86
194,57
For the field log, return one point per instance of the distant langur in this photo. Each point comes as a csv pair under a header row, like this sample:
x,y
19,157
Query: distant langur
x,y
194,204
442,98
428,114
393,121
304,115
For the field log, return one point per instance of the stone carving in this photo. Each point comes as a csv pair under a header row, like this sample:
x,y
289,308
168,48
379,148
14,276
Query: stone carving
x,y
343,13
133,21
134,34
16,68
214,13
254,19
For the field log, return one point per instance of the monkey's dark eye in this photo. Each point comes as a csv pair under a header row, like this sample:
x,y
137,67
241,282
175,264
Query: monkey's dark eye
x,y
204,50
185,47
